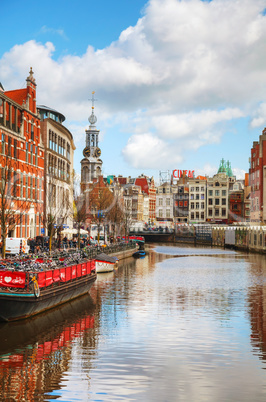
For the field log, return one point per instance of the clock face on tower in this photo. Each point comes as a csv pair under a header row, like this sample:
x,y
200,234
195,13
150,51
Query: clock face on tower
x,y
97,152
86,151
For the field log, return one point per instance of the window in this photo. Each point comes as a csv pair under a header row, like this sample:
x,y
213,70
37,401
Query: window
x,y
223,193
217,193
202,205
192,205
31,187
197,215
9,146
210,201
192,196
50,140
3,143
223,212
27,152
21,185
36,186
217,201
26,187
185,203
210,212
202,215
160,202
192,215
167,201
191,188
16,178
223,201
197,205
160,213
197,188
197,196
202,196
32,131
216,212
210,193
40,189
181,203
15,149
168,213
36,155
202,189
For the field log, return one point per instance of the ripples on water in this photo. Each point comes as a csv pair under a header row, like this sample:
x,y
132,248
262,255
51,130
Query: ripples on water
x,y
182,324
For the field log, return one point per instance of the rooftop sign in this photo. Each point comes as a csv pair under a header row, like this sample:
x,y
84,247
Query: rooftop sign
x,y
182,173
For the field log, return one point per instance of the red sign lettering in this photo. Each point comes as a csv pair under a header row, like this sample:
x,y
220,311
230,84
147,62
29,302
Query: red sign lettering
x,y
183,173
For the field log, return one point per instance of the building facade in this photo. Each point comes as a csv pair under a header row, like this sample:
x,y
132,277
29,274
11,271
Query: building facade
x,y
164,204
59,156
181,204
197,201
257,177
22,152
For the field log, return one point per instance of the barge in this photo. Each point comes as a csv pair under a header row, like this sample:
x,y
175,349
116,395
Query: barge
x,y
24,294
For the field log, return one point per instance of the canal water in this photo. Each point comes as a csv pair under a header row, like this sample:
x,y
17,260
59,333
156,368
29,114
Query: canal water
x,y
181,324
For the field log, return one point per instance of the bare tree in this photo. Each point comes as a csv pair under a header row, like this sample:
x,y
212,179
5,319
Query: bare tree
x,y
57,207
11,206
81,211
101,200
115,214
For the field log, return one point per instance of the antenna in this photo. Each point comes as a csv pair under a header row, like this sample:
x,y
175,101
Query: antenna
x,y
164,177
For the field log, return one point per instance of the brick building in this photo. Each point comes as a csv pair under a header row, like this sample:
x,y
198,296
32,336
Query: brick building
x,y
23,151
256,177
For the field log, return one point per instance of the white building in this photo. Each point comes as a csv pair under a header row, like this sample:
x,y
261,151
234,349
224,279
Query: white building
x,y
197,201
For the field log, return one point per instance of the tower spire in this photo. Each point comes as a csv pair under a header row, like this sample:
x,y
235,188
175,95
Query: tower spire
x,y
92,119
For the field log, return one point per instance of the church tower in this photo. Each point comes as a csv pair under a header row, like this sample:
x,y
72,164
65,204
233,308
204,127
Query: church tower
x,y
91,164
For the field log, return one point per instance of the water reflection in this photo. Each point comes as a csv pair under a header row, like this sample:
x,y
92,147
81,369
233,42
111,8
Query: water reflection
x,y
182,324
35,353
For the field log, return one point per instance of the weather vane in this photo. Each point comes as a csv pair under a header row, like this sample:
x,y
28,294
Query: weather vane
x,y
93,100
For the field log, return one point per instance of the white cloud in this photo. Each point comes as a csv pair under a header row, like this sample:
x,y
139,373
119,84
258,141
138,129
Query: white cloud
x,y
185,72
149,151
260,116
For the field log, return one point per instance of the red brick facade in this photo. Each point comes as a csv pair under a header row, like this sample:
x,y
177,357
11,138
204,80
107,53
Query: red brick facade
x,y
257,163
22,149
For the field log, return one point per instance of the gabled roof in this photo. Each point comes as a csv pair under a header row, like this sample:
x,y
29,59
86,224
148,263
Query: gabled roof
x,y
122,180
142,182
17,95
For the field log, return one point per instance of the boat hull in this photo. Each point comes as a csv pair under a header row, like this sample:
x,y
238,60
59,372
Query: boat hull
x,y
103,266
19,305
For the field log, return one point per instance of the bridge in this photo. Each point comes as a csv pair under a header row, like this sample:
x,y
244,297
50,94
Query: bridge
x,y
194,237
152,236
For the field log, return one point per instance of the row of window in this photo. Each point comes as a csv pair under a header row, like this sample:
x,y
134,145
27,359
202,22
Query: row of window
x,y
59,168
197,197
168,213
197,189
31,150
59,145
19,185
200,215
168,201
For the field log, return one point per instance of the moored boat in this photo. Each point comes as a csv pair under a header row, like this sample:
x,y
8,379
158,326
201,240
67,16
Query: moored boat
x,y
25,293
105,263
139,254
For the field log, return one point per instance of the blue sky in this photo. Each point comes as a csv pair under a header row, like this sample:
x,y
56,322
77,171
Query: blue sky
x,y
179,84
